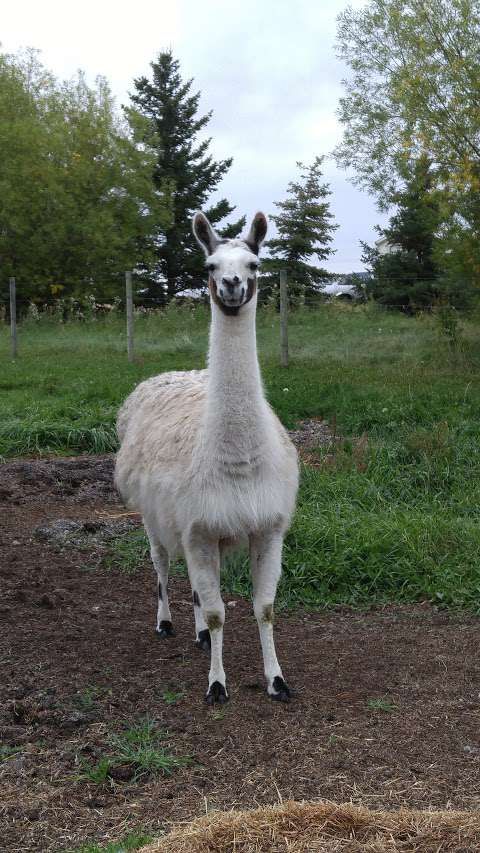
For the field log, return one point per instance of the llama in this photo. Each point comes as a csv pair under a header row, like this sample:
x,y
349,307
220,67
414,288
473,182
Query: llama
x,y
208,464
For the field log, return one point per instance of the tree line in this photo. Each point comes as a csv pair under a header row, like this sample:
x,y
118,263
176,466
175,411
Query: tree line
x,y
411,119
88,193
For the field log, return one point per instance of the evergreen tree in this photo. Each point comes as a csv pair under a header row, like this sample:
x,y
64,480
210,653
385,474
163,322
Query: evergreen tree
x,y
185,166
305,230
408,276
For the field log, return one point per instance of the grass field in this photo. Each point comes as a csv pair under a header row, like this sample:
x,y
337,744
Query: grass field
x,y
394,517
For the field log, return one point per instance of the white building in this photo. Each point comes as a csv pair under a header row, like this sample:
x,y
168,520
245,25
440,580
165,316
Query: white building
x,y
383,247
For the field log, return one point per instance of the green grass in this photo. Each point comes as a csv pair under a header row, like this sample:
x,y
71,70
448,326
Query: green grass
x,y
87,699
171,697
385,705
129,552
392,518
140,747
132,841
7,752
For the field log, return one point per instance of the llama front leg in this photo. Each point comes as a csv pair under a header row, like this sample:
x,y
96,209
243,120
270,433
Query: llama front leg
x,y
266,568
203,561
160,562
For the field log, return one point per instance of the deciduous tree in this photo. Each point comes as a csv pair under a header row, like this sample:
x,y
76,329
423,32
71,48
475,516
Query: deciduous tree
x,y
414,87
78,202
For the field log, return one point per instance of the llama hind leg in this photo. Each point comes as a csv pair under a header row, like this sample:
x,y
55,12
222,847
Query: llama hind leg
x,y
266,568
160,562
202,634
203,561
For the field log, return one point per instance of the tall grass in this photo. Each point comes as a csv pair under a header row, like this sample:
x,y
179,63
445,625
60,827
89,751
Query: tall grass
x,y
376,372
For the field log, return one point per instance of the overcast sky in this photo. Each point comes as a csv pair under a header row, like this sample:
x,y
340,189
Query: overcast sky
x,y
268,70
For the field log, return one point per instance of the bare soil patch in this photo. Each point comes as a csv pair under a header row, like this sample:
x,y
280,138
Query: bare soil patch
x,y
387,710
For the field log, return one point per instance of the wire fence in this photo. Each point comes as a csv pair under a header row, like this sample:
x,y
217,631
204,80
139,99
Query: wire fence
x,y
284,299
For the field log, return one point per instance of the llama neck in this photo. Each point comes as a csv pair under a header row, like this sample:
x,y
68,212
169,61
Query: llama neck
x,y
235,401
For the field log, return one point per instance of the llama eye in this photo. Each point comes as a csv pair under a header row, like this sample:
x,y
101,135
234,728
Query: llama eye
x,y
253,266
211,267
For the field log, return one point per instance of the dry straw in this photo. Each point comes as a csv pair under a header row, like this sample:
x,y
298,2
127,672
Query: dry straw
x,y
325,828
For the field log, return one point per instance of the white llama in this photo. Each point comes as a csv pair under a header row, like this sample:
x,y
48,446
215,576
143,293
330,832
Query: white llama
x,y
208,464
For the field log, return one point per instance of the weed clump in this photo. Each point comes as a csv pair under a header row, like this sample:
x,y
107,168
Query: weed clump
x,y
134,752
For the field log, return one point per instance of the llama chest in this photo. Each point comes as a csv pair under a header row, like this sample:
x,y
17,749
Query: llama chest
x,y
244,494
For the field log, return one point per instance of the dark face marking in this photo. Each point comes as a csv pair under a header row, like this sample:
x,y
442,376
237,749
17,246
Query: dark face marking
x,y
160,595
196,600
251,288
231,310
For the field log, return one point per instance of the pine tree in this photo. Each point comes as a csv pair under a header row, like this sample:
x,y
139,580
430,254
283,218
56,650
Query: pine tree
x,y
184,166
305,229
408,276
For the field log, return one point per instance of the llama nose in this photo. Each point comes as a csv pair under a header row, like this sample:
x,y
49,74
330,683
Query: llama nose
x,y
230,283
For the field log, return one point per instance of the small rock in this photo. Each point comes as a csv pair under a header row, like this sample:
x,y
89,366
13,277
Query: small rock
x,y
231,604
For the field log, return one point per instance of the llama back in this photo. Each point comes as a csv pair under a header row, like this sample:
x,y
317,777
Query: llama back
x,y
155,390
156,426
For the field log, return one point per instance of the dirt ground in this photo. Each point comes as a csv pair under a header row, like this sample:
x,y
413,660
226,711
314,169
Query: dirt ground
x,y
387,709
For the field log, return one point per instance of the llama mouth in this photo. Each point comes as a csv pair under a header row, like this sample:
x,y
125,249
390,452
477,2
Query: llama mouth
x,y
233,303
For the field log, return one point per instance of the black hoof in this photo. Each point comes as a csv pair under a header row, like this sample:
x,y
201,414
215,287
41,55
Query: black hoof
x,y
165,629
282,691
203,640
216,694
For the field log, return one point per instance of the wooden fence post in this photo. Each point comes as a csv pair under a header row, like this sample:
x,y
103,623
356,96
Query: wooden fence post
x,y
13,318
129,310
283,319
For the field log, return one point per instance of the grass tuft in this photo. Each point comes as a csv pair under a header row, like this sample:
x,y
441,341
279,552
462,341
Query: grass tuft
x,y
385,705
139,747
132,841
7,752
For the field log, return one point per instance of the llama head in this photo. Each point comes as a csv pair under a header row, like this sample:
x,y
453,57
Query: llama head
x,y
232,264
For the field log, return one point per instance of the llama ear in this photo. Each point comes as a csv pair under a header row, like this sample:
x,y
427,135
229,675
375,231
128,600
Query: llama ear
x,y
204,233
258,230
